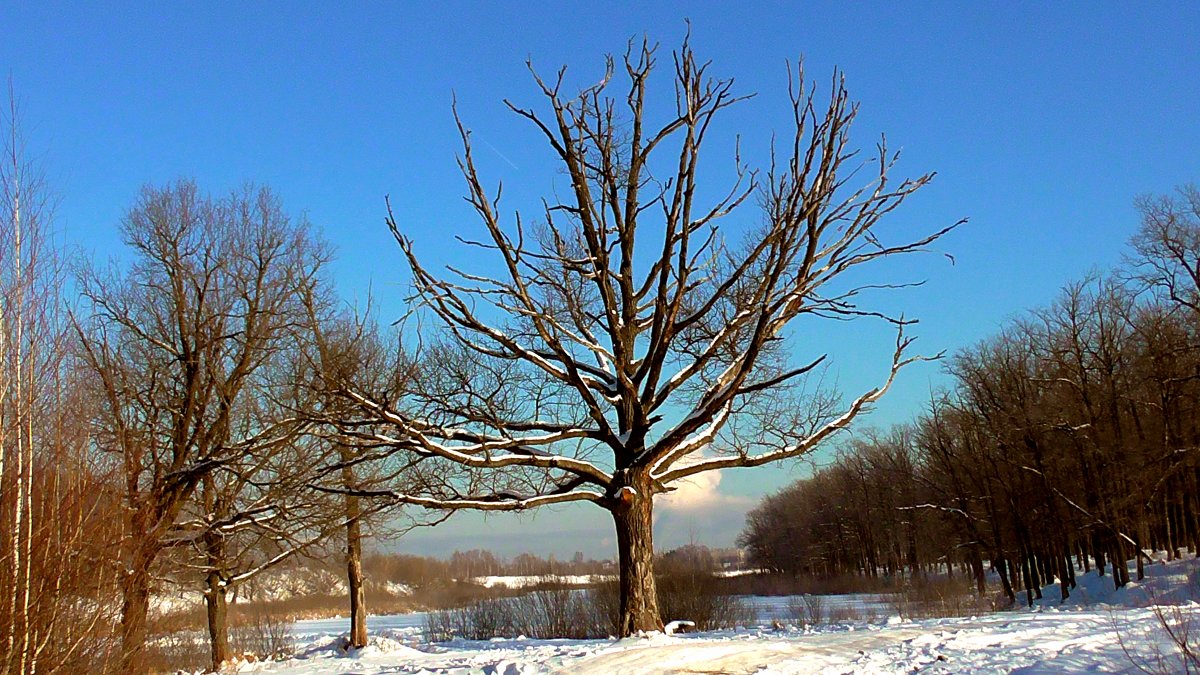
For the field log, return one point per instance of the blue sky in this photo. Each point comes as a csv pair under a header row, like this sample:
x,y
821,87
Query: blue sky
x,y
1043,121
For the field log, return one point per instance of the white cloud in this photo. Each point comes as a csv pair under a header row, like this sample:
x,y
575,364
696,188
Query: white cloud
x,y
699,492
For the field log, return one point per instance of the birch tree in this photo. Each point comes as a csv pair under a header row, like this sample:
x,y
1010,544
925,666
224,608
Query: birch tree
x,y
54,511
633,336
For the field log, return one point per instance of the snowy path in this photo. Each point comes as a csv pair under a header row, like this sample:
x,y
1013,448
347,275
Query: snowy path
x,y
1051,642
810,654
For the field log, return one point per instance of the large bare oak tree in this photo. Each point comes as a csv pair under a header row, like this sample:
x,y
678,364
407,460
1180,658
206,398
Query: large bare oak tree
x,y
628,340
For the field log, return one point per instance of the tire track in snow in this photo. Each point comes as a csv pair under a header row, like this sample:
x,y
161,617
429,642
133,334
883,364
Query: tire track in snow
x,y
738,657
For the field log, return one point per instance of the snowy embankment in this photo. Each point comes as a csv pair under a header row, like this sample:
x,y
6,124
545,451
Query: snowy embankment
x,y
1075,637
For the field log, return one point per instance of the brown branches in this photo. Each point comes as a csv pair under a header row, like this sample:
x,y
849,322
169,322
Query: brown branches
x,y
189,349
553,379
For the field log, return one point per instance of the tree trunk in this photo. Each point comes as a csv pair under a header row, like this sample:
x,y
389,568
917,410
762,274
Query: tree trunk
x,y
1001,566
217,604
633,516
977,572
354,571
135,607
354,578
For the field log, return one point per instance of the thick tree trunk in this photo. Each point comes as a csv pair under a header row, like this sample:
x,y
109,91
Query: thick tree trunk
x,y
135,608
217,604
634,521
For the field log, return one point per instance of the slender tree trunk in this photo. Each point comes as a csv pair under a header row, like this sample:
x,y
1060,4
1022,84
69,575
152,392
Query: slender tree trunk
x,y
217,605
354,571
1000,564
1064,578
977,572
634,521
354,578
1027,577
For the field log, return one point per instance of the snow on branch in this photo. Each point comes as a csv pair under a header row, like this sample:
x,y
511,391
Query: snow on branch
x,y
422,436
899,361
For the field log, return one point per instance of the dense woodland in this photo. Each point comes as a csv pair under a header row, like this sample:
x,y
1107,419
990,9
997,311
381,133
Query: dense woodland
x,y
1067,441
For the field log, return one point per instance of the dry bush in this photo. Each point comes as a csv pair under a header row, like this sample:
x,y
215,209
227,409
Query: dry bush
x,y
266,635
848,615
177,651
807,609
696,597
1175,626
690,590
544,613
71,578
1183,632
442,594
605,601
179,641
480,620
930,599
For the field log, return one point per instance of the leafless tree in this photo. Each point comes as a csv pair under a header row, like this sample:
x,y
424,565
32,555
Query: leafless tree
x,y
629,341
54,574
351,348
255,511
177,343
1167,245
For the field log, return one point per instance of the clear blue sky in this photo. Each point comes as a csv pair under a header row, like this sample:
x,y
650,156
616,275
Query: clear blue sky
x,y
1043,122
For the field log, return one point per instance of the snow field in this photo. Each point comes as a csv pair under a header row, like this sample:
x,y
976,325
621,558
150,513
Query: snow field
x,y
1079,636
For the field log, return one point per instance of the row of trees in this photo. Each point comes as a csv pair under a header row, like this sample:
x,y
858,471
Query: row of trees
x,y
208,407
466,565
1069,440
160,426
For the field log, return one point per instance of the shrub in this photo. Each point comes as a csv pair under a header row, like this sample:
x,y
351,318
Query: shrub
x,y
686,593
266,635
929,599
177,651
541,614
807,609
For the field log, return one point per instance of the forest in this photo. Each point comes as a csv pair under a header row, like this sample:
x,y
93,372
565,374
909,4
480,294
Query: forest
x,y
1068,440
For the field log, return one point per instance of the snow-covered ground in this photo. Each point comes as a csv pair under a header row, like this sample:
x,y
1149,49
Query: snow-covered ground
x,y
1092,632
518,581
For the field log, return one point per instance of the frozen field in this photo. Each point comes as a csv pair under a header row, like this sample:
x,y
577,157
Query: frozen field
x,y
1080,636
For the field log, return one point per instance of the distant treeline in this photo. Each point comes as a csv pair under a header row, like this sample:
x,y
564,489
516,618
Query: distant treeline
x,y
1068,440
417,570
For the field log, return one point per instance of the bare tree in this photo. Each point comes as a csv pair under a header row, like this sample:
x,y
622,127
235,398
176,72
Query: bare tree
x,y
350,348
176,343
54,573
637,346
254,511
1167,245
